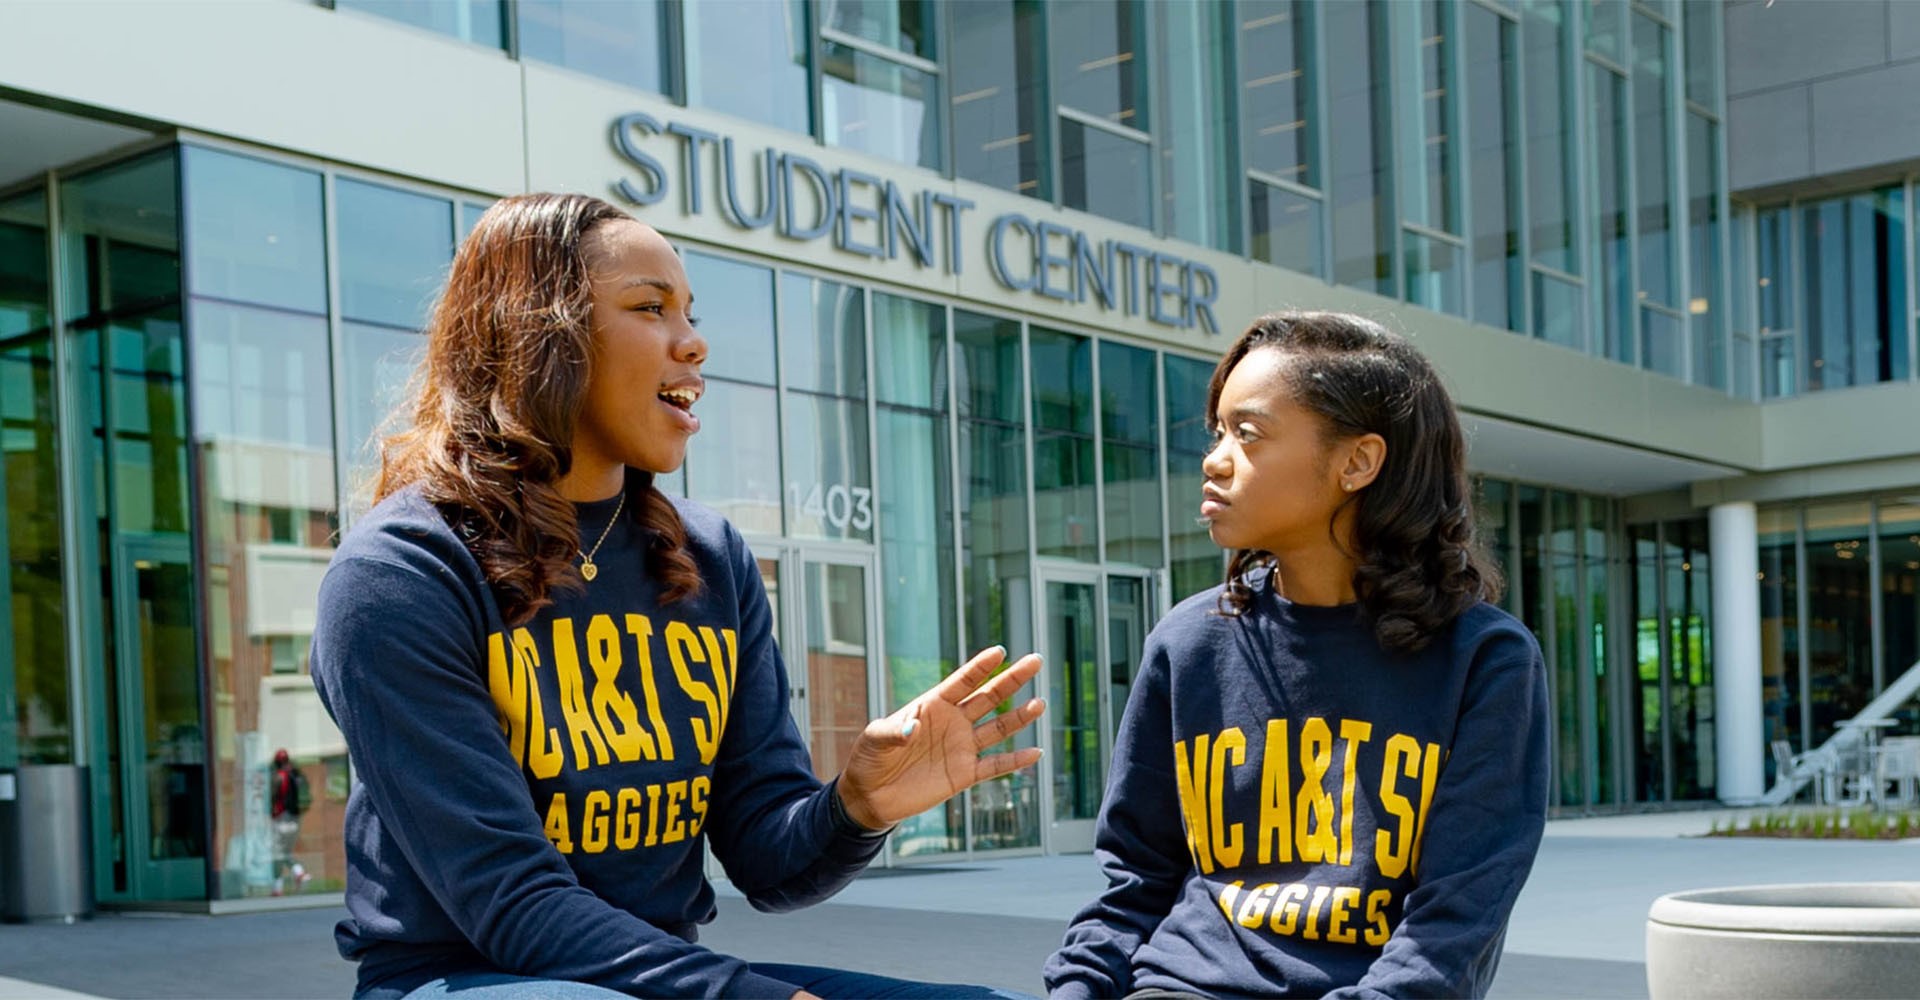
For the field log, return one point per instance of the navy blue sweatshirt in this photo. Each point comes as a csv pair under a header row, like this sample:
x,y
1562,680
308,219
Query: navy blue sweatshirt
x,y
535,799
1292,811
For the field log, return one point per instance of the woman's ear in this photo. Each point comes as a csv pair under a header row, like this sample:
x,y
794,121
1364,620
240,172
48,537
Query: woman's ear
x,y
1365,455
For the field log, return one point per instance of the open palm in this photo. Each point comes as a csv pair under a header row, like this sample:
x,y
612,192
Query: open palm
x,y
929,751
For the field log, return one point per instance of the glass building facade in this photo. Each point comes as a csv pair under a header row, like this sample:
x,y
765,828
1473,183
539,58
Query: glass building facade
x,y
202,338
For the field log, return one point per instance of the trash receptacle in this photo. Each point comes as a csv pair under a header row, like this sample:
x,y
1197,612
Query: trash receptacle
x,y
46,843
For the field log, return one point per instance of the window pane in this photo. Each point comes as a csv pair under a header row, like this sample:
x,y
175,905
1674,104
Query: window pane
x,y
254,231
1653,148
879,107
1429,190
1551,183
1611,253
33,643
376,363
1856,289
1779,367
394,248
1705,232
1689,609
1200,202
916,563
748,58
1775,262
1701,28
1287,229
735,468
1663,346
1436,276
476,21
910,353
1606,28
1899,530
1130,435
1780,666
906,25
470,214
617,41
999,118
988,378
1361,181
1066,516
1491,85
1743,366
734,302
262,375
1839,614
1197,563
1105,173
1559,312
824,335
1100,65
829,477
1276,90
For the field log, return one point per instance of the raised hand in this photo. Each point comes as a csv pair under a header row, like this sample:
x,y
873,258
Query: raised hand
x,y
929,751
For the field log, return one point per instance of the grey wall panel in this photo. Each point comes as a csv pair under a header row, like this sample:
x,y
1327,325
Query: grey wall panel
x,y
1793,41
1866,119
1903,31
1769,138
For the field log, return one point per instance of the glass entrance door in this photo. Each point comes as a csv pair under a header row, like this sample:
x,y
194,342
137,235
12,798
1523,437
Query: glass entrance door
x,y
1094,626
833,684
127,440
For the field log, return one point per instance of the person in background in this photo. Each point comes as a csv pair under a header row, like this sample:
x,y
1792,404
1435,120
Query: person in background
x,y
559,685
1331,776
289,799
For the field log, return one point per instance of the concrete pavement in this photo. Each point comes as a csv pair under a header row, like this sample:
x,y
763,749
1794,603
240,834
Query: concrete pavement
x,y
1577,932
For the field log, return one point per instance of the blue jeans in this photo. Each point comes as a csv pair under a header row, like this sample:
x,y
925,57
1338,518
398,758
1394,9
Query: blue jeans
x,y
829,984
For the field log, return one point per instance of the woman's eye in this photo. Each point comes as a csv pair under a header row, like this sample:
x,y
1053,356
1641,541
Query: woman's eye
x,y
693,320
652,307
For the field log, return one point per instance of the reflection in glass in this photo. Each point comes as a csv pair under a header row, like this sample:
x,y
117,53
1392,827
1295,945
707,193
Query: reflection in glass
x,y
829,484
1130,453
910,354
376,363
1559,311
476,21
1105,173
1551,185
741,480
734,303
1700,27
1276,91
1899,530
1199,200
989,382
1663,342
1429,193
1704,235
1361,182
1855,289
906,25
1839,623
260,240
1780,662
1653,149
823,334
1606,28
1492,80
1779,367
999,118
394,248
1647,704
260,398
1066,506
1197,563
1073,699
1128,620
613,41
1690,656
1100,59
1287,229
748,58
33,645
1612,250
837,656
1436,275
879,107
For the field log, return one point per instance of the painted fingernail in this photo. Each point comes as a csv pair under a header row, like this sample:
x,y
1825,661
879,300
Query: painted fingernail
x,y
912,724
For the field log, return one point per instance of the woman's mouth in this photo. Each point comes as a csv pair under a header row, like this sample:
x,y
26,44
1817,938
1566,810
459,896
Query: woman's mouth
x,y
679,400
1212,505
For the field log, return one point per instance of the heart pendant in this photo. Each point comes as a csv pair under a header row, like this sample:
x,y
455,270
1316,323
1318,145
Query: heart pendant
x,y
589,571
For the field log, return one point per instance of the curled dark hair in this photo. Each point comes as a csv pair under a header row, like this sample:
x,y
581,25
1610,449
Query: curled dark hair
x,y
497,398
1419,564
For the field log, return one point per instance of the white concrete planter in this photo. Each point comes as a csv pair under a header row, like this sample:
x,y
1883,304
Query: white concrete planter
x,y
1857,940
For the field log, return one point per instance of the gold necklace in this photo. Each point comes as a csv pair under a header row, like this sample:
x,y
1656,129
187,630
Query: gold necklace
x,y
587,568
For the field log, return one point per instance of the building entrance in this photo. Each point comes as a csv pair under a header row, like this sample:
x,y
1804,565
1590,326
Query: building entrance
x,y
1093,626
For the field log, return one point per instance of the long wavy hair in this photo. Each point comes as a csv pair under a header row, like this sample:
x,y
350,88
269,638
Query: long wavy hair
x,y
1419,563
496,400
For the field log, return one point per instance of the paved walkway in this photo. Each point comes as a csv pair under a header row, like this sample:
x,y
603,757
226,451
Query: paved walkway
x,y
1578,930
